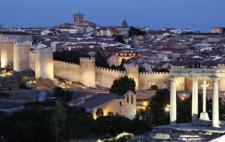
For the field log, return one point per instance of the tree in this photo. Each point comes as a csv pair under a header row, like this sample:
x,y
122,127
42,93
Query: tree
x,y
157,107
59,119
64,96
120,39
123,85
101,59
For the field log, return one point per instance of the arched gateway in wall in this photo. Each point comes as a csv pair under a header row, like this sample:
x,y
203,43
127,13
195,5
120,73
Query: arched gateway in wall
x,y
197,74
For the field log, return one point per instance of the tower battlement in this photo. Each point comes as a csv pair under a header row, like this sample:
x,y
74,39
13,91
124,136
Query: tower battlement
x,y
27,43
5,39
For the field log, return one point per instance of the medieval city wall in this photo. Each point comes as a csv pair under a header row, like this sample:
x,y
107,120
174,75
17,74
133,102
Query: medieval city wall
x,y
44,64
21,56
87,72
147,79
67,71
105,76
7,46
32,59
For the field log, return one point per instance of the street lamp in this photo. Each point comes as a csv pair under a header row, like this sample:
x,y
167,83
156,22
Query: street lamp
x,y
167,108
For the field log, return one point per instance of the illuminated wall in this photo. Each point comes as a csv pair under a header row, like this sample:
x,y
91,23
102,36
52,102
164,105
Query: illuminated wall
x,y
126,106
87,72
44,67
6,52
147,79
21,56
67,71
132,72
32,60
105,76
41,61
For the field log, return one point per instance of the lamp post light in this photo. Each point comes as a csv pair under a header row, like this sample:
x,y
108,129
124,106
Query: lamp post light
x,y
167,108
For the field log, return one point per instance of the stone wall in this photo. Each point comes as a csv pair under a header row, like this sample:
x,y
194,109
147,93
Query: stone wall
x,y
6,52
32,59
87,72
21,56
41,62
44,67
133,72
67,71
147,79
105,77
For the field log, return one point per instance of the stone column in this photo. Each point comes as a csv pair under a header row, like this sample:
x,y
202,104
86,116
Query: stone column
x,y
215,101
204,115
173,101
194,98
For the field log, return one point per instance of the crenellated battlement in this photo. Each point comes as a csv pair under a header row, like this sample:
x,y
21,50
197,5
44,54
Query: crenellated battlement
x,y
27,43
87,59
87,73
5,39
153,73
221,66
66,63
109,70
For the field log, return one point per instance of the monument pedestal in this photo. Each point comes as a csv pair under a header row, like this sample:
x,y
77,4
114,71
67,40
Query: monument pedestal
x,y
204,116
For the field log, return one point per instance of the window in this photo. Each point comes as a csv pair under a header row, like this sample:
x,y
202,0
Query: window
x,y
132,99
120,103
127,98
99,112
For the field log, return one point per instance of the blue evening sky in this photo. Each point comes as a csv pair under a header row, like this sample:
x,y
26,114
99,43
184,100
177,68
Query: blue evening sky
x,y
192,14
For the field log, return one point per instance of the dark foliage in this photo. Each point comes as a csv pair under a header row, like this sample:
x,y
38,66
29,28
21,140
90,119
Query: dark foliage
x,y
154,87
123,85
23,86
135,31
30,125
157,105
69,56
37,125
120,39
63,95
4,95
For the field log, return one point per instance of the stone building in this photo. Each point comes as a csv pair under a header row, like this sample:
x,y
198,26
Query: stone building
x,y
108,104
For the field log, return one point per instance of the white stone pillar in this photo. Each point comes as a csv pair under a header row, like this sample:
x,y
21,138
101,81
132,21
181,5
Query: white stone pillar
x,y
204,115
194,98
173,101
215,101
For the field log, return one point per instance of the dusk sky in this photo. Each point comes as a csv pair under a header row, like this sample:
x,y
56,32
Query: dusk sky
x,y
192,14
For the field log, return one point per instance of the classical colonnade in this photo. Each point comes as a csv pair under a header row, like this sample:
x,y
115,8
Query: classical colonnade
x,y
197,75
